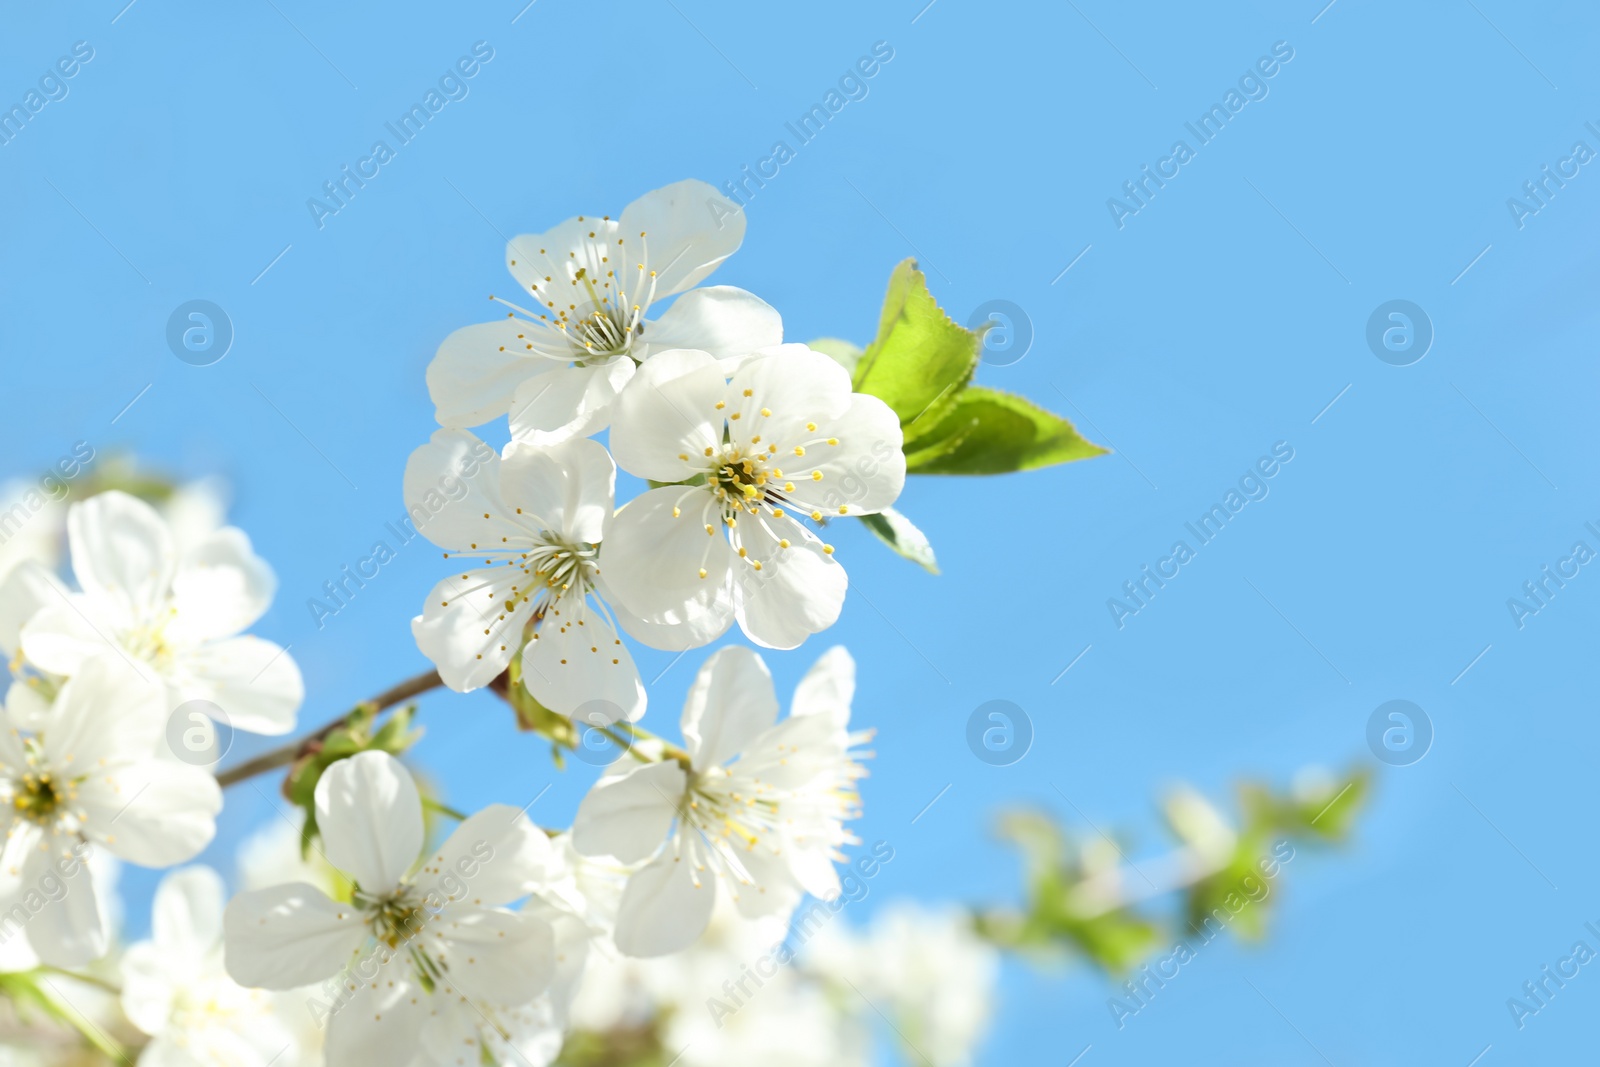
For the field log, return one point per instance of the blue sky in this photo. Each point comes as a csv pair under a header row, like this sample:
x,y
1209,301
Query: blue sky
x,y
1227,314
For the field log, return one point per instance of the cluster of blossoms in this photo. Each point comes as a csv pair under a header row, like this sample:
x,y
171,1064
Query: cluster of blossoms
x,y
472,950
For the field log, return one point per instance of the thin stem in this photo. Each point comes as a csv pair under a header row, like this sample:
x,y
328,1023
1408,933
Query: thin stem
x,y
284,755
86,979
443,809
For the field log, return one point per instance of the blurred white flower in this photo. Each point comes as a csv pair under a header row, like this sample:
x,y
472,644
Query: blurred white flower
x,y
424,957
174,987
716,1010
924,968
31,523
782,439
555,368
177,617
272,856
91,776
761,806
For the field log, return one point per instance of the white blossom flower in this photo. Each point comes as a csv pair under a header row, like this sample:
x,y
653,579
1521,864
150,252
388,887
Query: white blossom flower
x,y
729,1000
761,805
783,439
180,619
174,987
555,368
424,956
536,521
90,776
925,967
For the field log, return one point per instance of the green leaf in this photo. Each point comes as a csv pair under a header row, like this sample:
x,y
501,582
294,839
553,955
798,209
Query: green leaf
x,y
897,531
844,353
989,432
921,359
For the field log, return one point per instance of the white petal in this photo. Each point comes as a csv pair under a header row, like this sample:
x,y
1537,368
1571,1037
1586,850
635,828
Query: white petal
x,y
719,319
492,858
864,472
256,683
155,813
687,228
452,492
288,936
567,402
381,1021
466,629
147,989
667,904
798,385
106,711
577,666
25,590
503,957
221,588
566,489
68,930
667,417
799,590
544,264
121,550
652,558
626,816
828,687
695,626
771,890
731,701
370,817
186,916
478,368
62,636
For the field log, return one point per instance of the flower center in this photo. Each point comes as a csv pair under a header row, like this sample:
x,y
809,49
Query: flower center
x,y
602,313
149,643
396,918
739,481
38,800
563,568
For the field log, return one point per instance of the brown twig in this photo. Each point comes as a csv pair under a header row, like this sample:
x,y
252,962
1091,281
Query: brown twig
x,y
284,755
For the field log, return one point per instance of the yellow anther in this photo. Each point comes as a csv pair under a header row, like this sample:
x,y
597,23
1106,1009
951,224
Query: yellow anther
x,y
811,426
702,572
827,550
799,451
766,412
833,440
747,392
721,405
816,476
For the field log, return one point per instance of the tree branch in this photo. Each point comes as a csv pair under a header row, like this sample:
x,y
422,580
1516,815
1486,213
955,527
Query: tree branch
x,y
284,755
